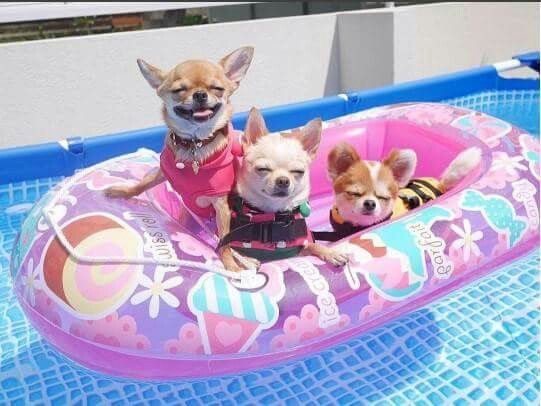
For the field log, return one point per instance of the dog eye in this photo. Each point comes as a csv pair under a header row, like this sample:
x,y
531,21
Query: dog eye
x,y
180,89
220,89
297,172
262,170
355,194
385,198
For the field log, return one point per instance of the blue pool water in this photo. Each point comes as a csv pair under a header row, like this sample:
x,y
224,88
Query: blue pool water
x,y
519,107
479,345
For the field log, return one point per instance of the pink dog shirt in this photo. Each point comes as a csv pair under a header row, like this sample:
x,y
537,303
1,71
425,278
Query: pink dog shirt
x,y
216,176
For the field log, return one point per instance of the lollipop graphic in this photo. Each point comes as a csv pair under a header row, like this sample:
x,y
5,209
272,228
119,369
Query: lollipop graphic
x,y
92,290
229,319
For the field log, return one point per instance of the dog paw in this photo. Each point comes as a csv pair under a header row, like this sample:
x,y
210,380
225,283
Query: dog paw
x,y
247,262
335,258
233,267
255,264
235,262
230,264
119,192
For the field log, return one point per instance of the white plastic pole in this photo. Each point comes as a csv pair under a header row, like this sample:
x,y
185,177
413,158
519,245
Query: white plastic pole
x,y
507,65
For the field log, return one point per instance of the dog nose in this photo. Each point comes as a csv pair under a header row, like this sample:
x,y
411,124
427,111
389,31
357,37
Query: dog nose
x,y
200,97
282,182
369,205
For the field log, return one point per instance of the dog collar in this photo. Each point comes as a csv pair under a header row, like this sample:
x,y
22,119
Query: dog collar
x,y
337,219
194,144
237,204
341,227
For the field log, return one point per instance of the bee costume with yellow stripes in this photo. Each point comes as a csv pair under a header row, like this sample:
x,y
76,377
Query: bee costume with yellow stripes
x,y
416,193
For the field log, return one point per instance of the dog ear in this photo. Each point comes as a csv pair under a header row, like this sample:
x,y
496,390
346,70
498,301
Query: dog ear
x,y
311,136
255,127
341,157
152,74
402,163
236,63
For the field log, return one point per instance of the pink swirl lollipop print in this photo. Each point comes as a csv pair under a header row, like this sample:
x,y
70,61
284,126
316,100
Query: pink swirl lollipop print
x,y
91,291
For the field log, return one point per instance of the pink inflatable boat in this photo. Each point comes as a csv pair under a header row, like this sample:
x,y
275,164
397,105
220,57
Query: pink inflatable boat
x,y
124,287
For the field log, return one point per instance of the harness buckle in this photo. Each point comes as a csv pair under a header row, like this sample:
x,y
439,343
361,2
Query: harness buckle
x,y
265,233
275,231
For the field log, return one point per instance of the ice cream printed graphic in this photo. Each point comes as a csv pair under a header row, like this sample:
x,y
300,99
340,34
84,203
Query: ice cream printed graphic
x,y
399,271
498,212
229,319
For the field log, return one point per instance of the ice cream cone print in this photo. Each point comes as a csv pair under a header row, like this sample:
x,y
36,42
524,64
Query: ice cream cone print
x,y
229,319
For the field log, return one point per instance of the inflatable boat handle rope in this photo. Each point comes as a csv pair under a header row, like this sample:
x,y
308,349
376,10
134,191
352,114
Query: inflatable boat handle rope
x,y
249,270
246,279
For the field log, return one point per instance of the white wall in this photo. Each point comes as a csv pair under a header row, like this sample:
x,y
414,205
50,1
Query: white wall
x,y
91,85
85,86
380,47
366,49
453,36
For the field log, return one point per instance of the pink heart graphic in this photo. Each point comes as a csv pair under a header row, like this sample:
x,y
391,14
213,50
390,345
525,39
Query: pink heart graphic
x,y
228,333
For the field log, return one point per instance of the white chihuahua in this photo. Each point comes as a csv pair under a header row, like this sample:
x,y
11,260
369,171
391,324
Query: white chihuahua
x,y
272,189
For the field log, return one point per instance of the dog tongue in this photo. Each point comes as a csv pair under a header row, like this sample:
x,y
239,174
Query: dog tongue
x,y
202,113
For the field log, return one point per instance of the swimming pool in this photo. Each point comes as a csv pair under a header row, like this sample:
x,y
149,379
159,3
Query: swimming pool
x,y
520,107
479,344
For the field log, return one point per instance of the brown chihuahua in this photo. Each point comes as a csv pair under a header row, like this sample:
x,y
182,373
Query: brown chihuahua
x,y
370,192
199,157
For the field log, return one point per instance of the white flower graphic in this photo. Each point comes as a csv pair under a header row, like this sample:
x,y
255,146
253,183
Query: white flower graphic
x,y
467,242
31,282
509,164
157,290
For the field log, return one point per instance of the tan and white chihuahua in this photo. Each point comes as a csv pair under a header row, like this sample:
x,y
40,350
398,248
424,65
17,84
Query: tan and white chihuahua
x,y
197,110
370,192
274,185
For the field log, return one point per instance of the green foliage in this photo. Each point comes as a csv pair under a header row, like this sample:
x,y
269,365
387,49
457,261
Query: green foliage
x,y
194,20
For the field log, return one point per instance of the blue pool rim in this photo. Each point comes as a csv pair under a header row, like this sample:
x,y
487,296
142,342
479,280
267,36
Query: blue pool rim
x,y
423,358
52,159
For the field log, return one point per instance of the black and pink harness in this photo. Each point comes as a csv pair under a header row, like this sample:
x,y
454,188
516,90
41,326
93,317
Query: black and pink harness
x,y
266,236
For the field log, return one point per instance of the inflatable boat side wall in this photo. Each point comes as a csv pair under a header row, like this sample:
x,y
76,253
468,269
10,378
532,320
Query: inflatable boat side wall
x,y
174,312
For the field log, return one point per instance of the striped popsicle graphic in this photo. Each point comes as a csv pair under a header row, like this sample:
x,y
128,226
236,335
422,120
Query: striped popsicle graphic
x,y
214,294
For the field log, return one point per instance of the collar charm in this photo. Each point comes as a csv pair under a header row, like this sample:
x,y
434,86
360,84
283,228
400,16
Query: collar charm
x,y
193,145
195,166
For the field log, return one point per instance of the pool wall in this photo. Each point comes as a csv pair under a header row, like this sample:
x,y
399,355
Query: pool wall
x,y
64,157
90,85
479,345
